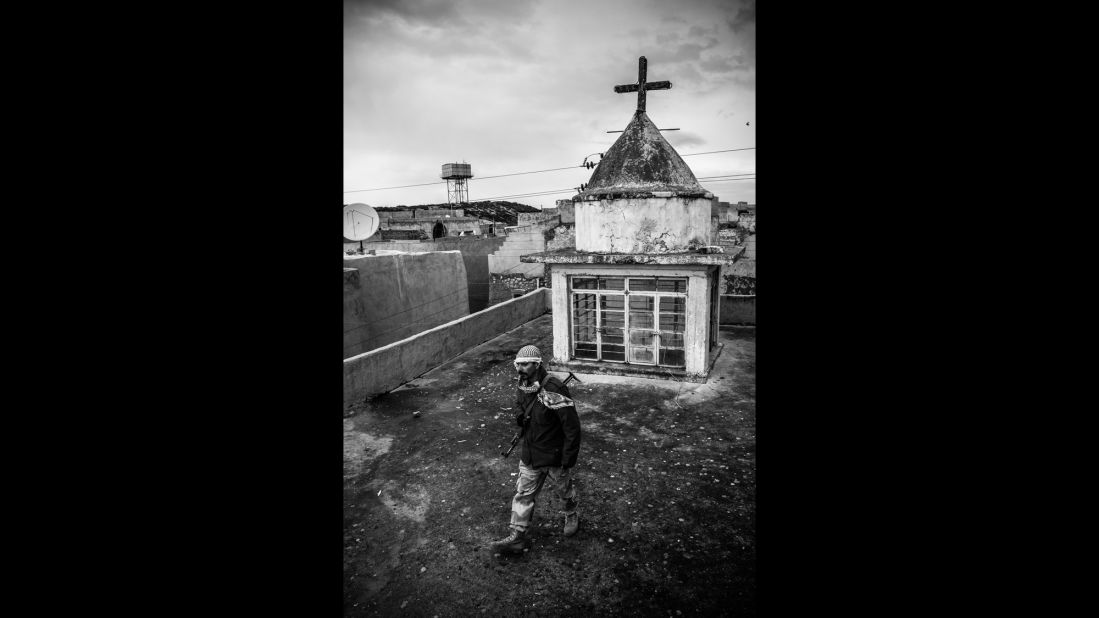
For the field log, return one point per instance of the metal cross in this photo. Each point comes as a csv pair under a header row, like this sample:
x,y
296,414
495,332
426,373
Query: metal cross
x,y
640,87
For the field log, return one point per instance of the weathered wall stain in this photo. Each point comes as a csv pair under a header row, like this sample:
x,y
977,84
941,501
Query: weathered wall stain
x,y
564,237
656,225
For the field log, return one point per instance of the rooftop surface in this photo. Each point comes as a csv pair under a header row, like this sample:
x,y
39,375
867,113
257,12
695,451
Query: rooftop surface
x,y
666,482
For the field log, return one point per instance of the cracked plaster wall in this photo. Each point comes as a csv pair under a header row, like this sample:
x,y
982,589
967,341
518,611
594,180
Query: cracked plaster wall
x,y
564,237
643,225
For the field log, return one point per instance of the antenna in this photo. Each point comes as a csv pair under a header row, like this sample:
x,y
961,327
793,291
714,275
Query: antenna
x,y
360,221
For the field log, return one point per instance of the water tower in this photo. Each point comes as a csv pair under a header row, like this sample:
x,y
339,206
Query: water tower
x,y
456,174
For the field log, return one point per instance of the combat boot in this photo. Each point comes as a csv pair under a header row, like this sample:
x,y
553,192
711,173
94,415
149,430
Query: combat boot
x,y
572,523
514,543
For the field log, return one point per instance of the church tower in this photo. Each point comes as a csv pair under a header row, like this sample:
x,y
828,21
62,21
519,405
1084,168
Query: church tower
x,y
638,295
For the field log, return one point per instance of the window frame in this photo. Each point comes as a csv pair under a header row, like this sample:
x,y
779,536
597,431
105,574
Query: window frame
x,y
625,293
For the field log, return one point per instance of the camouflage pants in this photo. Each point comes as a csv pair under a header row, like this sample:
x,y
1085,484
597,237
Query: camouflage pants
x,y
530,483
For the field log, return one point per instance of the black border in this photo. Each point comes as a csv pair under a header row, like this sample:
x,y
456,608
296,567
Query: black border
x,y
212,149
208,143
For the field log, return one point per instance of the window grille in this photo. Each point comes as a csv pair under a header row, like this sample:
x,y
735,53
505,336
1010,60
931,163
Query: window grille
x,y
632,320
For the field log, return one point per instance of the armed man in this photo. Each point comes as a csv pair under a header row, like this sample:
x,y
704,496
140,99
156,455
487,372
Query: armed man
x,y
550,445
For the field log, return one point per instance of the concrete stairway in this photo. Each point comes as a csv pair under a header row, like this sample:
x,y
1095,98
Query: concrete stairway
x,y
519,242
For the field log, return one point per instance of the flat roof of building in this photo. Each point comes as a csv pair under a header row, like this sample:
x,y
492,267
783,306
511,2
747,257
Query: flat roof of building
x,y
666,476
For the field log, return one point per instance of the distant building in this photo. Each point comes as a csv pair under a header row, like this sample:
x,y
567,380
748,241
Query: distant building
x,y
566,209
530,218
433,222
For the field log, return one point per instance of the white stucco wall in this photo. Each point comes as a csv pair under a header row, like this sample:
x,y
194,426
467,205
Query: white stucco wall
x,y
642,225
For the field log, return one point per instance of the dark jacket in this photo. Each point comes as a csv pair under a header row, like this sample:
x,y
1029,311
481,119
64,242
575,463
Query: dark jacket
x,y
553,436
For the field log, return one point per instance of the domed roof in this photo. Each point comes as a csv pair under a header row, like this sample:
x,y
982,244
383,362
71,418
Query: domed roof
x,y
640,163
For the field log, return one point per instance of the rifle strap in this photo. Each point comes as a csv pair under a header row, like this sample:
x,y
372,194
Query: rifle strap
x,y
527,409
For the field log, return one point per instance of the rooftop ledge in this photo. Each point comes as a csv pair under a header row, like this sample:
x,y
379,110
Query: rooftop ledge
x,y
614,193
567,256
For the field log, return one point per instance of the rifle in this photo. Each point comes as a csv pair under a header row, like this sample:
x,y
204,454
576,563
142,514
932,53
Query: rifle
x,y
526,415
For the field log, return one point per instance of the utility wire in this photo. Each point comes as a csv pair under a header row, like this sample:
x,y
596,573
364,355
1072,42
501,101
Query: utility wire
x,y
400,187
716,151
725,176
556,169
536,194
573,190
534,172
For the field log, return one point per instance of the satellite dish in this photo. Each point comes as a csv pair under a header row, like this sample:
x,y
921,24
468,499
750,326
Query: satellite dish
x,y
360,221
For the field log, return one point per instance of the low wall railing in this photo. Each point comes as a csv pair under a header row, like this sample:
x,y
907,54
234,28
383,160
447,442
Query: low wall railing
x,y
738,309
385,368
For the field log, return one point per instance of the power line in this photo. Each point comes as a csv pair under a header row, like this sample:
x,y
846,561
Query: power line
x,y
441,182
534,172
536,194
716,151
556,169
725,176
573,190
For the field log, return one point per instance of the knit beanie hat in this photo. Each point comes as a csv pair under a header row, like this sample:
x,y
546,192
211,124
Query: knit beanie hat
x,y
529,354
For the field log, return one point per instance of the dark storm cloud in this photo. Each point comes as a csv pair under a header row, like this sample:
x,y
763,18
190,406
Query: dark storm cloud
x,y
428,81
429,12
742,25
745,17
441,29
438,13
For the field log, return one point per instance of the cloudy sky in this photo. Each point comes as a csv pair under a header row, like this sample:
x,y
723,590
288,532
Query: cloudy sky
x,y
515,86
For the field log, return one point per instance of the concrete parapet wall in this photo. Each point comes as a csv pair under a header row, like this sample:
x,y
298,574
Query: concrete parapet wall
x,y
738,309
475,251
386,368
750,246
391,297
